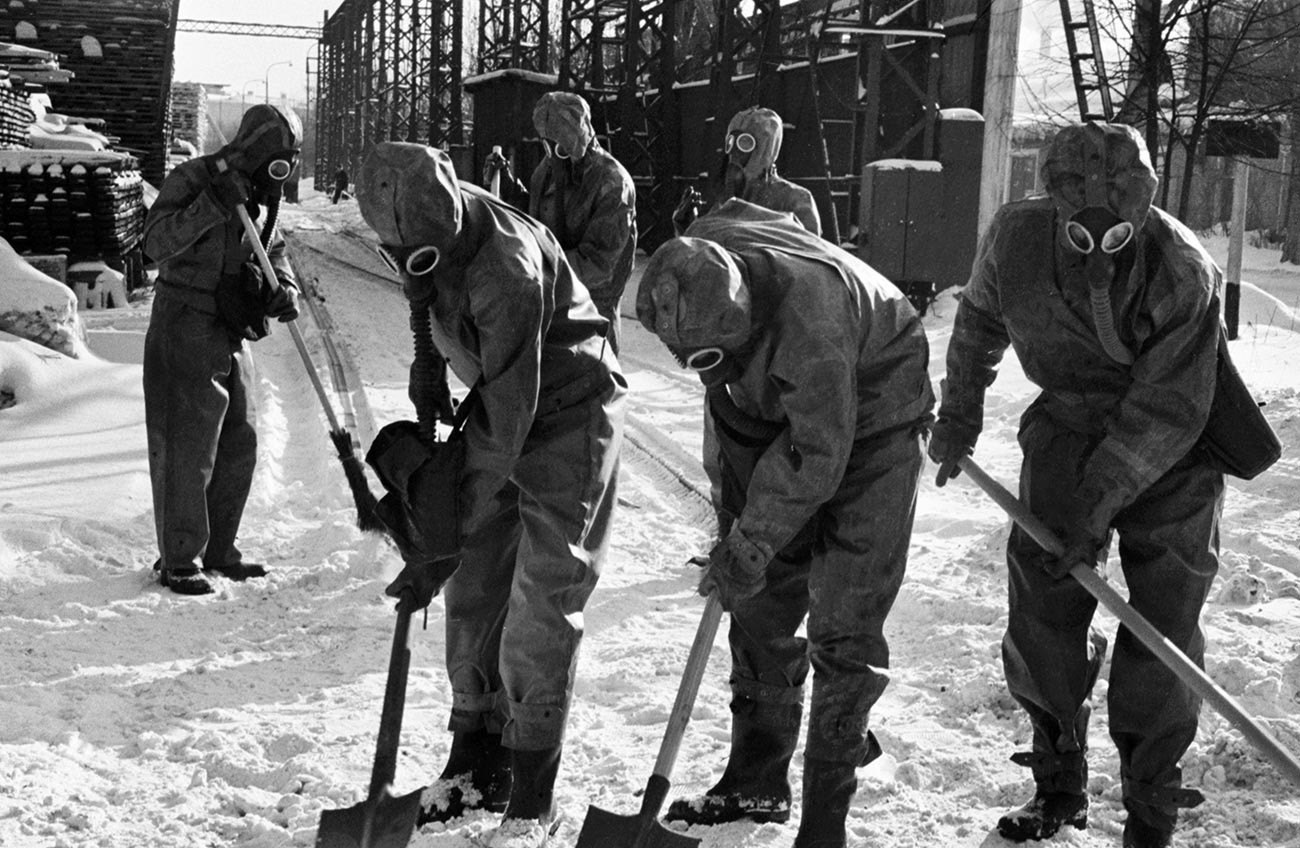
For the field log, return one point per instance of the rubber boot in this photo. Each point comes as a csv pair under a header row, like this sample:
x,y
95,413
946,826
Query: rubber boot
x,y
477,777
1140,834
1059,796
527,822
755,784
828,790
1153,809
1044,815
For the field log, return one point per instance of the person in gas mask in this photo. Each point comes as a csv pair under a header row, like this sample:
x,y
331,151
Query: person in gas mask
x,y
749,172
587,199
211,300
493,294
1112,307
814,368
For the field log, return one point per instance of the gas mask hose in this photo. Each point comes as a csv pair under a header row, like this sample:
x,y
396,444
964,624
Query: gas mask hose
x,y
429,392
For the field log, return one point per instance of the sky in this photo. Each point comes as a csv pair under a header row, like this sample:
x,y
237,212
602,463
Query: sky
x,y
242,61
136,718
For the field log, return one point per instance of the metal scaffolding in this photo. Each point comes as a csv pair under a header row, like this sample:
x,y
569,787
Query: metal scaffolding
x,y
514,34
390,70
621,54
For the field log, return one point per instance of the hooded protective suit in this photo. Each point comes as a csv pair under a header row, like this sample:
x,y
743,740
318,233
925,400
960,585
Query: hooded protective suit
x,y
752,176
541,445
587,199
1107,444
829,359
199,411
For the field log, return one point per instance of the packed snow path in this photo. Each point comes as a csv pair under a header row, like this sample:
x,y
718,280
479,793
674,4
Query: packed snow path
x,y
135,717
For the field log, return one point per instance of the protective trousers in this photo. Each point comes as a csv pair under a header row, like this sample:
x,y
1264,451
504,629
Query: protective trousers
x,y
1168,547
843,571
514,607
202,434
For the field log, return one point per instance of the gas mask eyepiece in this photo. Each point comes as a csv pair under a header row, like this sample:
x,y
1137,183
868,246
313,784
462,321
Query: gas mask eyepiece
x,y
407,261
1093,228
712,364
742,141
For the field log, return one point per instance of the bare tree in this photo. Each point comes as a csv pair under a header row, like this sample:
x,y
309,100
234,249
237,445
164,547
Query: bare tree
x,y
1188,61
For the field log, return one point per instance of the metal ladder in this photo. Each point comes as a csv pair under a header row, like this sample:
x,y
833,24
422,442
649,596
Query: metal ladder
x,y
1086,84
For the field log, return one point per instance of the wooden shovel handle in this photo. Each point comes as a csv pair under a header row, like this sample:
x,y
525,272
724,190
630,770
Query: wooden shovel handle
x,y
270,278
1168,653
689,687
390,718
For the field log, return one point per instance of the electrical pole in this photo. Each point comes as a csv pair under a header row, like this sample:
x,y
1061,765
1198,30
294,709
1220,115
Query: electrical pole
x,y
999,106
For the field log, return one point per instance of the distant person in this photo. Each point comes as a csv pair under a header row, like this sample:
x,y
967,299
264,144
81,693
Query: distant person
x,y
749,172
340,184
587,199
198,384
1112,307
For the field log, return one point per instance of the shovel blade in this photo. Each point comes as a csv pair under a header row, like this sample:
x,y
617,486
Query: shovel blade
x,y
380,821
603,829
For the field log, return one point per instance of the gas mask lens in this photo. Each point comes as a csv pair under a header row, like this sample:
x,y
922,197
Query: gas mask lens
x,y
706,359
744,142
1091,227
559,151
419,261
279,169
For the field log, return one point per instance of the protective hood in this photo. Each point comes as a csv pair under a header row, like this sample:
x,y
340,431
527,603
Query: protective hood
x,y
765,126
409,195
265,133
1100,165
693,296
565,119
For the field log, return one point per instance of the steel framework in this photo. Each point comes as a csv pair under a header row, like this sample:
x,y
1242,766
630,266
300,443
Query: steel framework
x,y
390,70
514,34
240,28
622,55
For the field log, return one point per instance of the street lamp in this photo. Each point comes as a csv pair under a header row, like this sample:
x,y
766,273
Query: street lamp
x,y
243,94
267,79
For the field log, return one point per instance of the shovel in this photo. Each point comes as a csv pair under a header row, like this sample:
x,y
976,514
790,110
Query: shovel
x,y
382,820
603,829
1167,652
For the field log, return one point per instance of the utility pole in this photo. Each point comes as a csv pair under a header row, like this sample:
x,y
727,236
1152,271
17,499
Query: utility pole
x,y
999,106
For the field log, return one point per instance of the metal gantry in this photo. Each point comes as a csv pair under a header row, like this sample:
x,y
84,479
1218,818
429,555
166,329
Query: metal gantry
x,y
514,34
621,55
390,70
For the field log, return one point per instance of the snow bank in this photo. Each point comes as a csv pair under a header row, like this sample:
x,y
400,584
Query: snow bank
x,y
37,307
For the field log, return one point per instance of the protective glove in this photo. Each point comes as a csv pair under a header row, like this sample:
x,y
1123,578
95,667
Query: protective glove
x,y
737,570
283,302
724,519
424,580
1081,548
231,188
688,209
951,439
497,162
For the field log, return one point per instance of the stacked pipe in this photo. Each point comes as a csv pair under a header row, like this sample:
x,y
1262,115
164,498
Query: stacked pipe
x,y
77,210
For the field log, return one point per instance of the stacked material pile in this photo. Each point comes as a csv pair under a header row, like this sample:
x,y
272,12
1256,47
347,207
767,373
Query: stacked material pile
x,y
71,204
189,114
121,54
21,69
15,115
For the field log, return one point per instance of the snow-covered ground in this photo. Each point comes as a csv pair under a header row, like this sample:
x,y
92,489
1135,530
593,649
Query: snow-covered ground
x,y
135,717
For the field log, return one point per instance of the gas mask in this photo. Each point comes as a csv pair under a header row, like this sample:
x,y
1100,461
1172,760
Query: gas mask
x,y
414,267
1100,236
270,176
713,365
